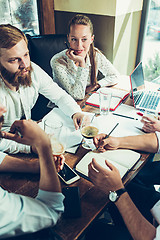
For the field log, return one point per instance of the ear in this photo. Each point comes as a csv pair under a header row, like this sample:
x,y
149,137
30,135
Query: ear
x,y
92,38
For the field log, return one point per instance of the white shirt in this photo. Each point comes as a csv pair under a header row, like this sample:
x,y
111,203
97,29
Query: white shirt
x,y
156,214
20,214
156,208
22,101
75,79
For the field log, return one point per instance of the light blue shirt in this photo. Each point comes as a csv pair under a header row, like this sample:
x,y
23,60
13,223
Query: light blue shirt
x,y
20,214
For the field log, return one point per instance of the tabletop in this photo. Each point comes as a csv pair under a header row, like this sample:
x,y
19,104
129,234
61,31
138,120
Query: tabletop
x,y
93,201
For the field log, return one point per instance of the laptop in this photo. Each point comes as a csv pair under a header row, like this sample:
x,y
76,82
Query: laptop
x,y
143,99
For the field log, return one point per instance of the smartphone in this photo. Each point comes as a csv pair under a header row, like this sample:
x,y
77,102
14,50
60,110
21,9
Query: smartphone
x,y
72,202
68,175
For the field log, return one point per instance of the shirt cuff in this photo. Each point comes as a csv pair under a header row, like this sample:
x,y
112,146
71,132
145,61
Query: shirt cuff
x,y
156,211
2,156
51,198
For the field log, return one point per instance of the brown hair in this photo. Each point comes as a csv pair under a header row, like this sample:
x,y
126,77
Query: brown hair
x,y
84,20
10,36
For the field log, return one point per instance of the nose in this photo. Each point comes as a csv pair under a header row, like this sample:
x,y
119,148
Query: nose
x,y
22,64
79,44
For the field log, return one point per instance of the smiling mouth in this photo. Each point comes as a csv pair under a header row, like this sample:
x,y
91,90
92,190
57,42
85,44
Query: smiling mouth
x,y
77,52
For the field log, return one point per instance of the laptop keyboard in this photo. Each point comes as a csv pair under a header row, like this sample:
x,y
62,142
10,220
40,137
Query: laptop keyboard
x,y
137,97
150,99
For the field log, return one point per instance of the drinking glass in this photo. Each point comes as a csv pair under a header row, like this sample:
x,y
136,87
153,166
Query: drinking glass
x,y
88,131
105,101
54,130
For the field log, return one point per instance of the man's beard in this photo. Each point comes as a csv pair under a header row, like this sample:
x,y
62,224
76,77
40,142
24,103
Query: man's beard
x,y
17,79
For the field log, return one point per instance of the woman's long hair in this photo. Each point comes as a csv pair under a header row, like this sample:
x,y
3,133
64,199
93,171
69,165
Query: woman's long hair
x,y
84,20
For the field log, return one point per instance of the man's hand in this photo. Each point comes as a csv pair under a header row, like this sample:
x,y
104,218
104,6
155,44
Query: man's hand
x,y
77,119
27,132
103,144
105,179
151,124
59,162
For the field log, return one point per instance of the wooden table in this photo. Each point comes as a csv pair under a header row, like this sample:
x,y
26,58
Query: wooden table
x,y
93,201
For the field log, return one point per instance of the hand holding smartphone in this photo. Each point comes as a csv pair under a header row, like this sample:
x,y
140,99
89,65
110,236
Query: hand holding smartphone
x,y
68,175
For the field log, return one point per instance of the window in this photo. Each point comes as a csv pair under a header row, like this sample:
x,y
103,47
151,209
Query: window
x,y
151,52
20,13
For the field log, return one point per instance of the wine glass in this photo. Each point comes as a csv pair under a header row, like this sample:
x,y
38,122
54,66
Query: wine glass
x,y
54,129
88,131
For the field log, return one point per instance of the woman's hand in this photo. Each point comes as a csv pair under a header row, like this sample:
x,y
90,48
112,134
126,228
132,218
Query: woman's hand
x,y
79,60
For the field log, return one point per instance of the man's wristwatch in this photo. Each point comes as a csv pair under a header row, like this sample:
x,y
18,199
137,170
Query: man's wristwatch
x,y
113,196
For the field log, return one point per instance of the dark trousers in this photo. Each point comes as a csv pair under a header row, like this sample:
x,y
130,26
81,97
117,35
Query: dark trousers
x,y
150,174
144,199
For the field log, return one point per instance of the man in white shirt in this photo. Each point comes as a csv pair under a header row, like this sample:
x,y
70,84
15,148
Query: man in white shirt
x,y
21,81
20,214
110,183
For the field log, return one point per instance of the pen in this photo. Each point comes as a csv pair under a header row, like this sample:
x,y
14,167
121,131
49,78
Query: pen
x,y
140,114
107,136
76,145
125,116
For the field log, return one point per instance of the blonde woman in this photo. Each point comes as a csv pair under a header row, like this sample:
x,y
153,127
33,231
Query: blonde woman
x,y
76,69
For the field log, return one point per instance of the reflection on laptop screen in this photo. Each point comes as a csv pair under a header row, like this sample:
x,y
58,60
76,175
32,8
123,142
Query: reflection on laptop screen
x,y
137,78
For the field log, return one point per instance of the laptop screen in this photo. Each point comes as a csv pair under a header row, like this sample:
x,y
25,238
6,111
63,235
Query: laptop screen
x,y
137,78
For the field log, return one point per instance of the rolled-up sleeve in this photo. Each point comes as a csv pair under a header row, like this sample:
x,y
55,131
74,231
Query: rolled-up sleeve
x,y
54,93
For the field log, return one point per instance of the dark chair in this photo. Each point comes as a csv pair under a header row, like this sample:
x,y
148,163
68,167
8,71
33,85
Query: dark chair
x,y
42,48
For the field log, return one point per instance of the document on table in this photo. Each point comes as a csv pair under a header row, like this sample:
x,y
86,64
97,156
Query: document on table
x,y
117,98
126,127
122,159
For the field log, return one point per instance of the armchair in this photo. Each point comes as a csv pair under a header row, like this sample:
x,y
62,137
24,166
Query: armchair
x,y
42,48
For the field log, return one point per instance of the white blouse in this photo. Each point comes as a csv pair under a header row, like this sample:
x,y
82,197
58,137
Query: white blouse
x,y
75,79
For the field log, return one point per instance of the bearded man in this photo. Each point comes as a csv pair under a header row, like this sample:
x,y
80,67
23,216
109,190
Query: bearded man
x,y
21,81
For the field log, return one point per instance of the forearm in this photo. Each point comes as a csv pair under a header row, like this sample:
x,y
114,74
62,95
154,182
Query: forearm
x,y
48,175
147,142
13,164
138,226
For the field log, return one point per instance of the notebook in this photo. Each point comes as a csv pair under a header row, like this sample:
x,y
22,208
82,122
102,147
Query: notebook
x,y
143,99
122,159
118,96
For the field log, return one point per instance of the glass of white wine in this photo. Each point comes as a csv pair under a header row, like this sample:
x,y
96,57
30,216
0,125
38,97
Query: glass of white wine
x,y
88,131
54,129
